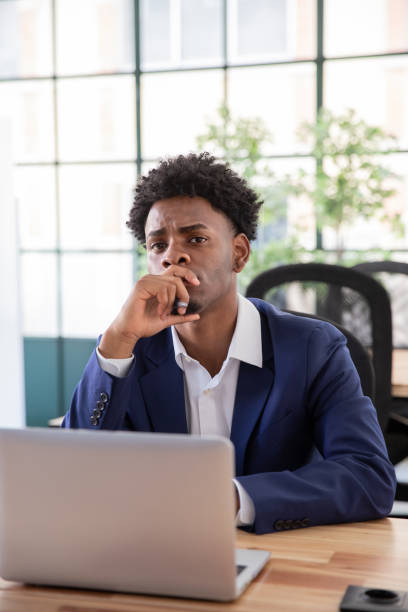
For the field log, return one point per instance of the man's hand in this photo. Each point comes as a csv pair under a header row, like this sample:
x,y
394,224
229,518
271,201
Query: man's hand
x,y
148,310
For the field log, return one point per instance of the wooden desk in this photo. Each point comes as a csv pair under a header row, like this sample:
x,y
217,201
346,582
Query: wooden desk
x,y
400,373
309,570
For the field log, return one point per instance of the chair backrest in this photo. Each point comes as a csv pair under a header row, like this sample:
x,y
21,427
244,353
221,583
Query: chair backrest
x,y
334,305
358,353
393,275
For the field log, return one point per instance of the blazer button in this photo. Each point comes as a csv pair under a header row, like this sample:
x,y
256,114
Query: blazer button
x,y
279,525
297,524
97,413
305,522
100,405
94,420
288,524
104,397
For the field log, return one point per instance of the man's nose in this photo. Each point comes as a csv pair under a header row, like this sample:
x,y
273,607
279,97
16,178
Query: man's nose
x,y
174,255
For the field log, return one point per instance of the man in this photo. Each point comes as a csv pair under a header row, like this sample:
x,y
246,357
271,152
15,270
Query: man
x,y
187,354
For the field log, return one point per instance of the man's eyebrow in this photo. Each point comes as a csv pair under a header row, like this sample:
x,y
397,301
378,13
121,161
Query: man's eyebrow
x,y
192,228
154,233
183,230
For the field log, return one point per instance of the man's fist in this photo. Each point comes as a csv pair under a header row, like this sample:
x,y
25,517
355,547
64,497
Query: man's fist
x,y
148,310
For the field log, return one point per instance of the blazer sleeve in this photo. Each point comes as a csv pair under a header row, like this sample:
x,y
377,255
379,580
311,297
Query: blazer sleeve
x,y
352,478
102,401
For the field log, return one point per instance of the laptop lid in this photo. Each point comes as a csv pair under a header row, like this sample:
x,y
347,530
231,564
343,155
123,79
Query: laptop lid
x,y
137,512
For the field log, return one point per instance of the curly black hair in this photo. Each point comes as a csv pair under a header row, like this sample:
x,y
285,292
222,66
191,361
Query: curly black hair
x,y
196,175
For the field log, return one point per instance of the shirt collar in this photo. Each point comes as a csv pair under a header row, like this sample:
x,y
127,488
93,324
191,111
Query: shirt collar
x,y
246,343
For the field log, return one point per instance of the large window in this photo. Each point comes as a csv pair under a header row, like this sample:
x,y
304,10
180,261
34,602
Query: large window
x,y
100,89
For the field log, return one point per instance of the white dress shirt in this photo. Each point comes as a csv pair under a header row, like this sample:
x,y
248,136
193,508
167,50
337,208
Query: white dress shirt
x,y
209,402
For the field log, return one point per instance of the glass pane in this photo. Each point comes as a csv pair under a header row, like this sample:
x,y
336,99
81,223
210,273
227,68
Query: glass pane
x,y
376,88
365,27
147,166
283,215
201,32
155,33
283,96
94,288
39,294
35,195
300,213
94,206
267,30
286,222
373,233
103,35
25,38
182,33
97,118
172,122
30,104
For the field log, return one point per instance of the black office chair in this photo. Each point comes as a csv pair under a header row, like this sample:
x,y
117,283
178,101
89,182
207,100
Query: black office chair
x,y
346,297
394,276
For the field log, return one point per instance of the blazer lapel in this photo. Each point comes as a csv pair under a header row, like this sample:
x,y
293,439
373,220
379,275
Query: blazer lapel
x,y
163,389
253,389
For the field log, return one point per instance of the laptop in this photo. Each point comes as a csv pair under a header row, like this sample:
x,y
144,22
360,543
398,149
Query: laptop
x,y
121,511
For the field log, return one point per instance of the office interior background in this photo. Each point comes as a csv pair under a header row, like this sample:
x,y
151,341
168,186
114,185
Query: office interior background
x,y
97,91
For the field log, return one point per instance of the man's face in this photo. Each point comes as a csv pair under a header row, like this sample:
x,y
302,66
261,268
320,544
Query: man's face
x,y
189,232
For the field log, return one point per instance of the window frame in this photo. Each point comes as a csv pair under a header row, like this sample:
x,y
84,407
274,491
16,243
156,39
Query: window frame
x,y
319,60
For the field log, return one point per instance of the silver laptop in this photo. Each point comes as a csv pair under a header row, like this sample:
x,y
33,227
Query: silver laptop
x,y
133,512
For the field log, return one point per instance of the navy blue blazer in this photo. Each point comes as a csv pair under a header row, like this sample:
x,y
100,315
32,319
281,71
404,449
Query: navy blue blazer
x,y
308,446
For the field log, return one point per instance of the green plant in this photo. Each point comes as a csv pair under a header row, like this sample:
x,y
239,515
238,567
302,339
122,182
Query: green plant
x,y
240,142
349,181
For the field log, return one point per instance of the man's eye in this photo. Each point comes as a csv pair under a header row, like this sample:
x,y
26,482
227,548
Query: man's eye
x,y
198,239
157,246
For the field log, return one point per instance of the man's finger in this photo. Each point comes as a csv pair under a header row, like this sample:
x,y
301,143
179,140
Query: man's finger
x,y
180,306
178,319
181,272
162,297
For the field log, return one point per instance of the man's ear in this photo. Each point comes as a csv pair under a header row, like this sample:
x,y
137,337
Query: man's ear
x,y
241,252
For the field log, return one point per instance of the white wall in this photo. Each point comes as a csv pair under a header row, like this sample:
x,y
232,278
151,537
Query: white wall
x,y
12,411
